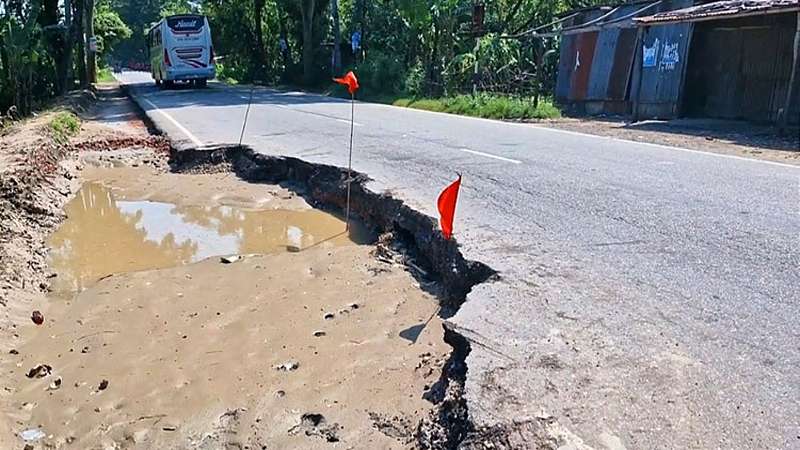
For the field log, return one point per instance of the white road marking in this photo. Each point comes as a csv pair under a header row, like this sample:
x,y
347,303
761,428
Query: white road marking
x,y
348,122
576,133
180,127
320,115
489,155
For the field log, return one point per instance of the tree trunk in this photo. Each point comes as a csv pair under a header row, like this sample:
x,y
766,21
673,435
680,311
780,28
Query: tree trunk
x,y
260,58
307,11
56,38
7,77
283,42
337,38
91,56
80,40
69,42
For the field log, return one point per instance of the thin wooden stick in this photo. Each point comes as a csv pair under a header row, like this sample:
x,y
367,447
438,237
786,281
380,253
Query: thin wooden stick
x,y
350,161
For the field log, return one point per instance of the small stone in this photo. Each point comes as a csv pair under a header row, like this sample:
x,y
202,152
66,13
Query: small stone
x,y
37,317
55,384
288,366
169,428
328,316
280,393
230,259
319,333
97,409
13,351
353,305
85,349
40,371
103,385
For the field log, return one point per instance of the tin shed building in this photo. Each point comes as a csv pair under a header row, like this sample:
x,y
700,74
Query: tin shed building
x,y
731,59
742,62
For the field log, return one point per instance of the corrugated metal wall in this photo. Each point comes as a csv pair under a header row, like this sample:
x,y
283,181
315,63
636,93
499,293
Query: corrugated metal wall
x,y
661,79
574,63
740,69
620,77
566,63
595,67
611,66
585,44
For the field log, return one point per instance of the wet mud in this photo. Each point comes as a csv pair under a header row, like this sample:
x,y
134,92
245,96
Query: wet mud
x,y
179,320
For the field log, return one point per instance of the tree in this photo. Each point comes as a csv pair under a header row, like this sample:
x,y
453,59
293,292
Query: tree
x,y
176,7
109,28
307,11
259,57
91,55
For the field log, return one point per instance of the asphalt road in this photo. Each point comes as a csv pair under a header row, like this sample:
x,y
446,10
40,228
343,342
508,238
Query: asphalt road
x,y
650,296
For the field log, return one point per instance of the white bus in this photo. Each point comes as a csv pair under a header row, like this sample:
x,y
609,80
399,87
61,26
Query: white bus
x,y
181,50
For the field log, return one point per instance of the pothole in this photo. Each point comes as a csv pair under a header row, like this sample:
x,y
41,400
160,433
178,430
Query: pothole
x,y
144,306
106,234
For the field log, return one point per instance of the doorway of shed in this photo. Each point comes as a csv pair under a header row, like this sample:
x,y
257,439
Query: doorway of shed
x,y
740,69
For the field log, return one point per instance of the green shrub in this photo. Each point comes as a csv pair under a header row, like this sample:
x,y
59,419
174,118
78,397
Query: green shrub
x,y
404,102
64,125
104,75
429,104
381,74
414,80
486,106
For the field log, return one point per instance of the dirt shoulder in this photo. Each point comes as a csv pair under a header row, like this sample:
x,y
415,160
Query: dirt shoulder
x,y
39,173
714,136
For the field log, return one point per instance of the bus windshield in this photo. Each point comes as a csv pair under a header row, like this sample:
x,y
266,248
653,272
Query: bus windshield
x,y
185,24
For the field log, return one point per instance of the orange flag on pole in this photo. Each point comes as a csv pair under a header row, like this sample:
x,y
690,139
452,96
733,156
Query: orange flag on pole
x,y
350,81
447,207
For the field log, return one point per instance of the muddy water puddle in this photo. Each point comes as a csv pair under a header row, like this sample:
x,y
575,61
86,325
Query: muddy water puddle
x,y
105,235
165,346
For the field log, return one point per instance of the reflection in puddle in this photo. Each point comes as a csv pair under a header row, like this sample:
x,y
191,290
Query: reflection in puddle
x,y
104,236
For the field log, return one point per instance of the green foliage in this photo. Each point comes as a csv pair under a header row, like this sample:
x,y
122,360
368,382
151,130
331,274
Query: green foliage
x,y
27,74
64,125
104,75
175,7
109,28
485,105
382,73
418,48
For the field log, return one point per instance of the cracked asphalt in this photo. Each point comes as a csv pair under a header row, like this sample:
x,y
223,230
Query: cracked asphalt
x,y
650,296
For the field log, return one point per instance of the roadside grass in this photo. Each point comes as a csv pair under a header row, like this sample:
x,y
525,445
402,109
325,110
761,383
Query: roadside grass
x,y
484,105
104,75
64,125
488,106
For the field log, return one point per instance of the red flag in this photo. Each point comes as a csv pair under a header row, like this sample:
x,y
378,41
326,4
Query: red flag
x,y
350,81
447,207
